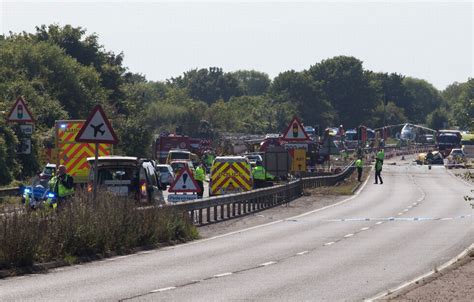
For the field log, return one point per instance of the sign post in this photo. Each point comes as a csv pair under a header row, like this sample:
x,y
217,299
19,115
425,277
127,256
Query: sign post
x,y
297,141
97,129
20,114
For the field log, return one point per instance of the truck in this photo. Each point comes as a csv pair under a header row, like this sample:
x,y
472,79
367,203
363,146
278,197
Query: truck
x,y
164,143
446,140
66,151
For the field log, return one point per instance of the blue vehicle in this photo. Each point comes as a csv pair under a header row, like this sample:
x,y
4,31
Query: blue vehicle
x,y
37,196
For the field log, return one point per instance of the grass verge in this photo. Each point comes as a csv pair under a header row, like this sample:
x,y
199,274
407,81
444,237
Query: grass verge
x,y
86,229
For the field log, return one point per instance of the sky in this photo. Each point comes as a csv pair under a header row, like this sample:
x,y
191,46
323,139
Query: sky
x,y
431,40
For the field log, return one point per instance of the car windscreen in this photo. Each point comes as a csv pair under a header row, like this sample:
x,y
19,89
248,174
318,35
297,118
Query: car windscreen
x,y
448,139
163,170
179,155
117,175
48,171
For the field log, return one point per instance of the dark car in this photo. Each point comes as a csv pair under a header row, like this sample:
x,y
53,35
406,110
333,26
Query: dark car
x,y
128,176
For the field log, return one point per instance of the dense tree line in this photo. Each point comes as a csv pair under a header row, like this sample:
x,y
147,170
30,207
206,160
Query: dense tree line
x,y
63,72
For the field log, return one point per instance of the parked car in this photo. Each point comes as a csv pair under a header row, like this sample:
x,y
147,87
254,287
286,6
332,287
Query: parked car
x,y
166,175
253,158
127,176
179,164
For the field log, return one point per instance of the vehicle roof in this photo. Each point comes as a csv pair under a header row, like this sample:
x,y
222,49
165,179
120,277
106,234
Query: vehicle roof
x,y
179,150
50,166
114,158
230,158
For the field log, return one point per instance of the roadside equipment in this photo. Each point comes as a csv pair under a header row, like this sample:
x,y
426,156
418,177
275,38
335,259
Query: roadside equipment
x,y
230,174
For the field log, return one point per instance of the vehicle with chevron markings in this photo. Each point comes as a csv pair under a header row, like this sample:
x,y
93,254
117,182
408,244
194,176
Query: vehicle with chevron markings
x,y
230,174
72,154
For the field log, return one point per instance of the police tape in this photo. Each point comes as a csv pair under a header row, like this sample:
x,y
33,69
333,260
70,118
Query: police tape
x,y
400,219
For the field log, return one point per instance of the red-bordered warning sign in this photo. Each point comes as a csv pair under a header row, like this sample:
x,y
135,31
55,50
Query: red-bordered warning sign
x,y
295,131
97,129
184,182
19,112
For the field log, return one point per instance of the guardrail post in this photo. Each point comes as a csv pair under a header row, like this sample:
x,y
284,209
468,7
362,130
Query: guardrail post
x,y
215,213
228,210
200,216
233,209
208,215
239,210
222,212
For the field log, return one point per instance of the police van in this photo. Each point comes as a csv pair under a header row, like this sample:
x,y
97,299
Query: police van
x,y
230,174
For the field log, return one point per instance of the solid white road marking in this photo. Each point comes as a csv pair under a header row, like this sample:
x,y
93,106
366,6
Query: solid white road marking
x,y
267,263
162,289
348,235
302,253
222,275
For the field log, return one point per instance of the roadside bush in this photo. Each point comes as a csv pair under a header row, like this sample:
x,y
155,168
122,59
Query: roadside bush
x,y
83,228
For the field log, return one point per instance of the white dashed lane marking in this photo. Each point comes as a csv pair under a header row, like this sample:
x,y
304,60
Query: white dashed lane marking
x,y
348,235
365,229
268,263
222,275
329,243
162,289
302,253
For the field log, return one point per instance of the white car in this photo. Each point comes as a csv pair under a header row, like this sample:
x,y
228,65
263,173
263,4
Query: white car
x,y
166,174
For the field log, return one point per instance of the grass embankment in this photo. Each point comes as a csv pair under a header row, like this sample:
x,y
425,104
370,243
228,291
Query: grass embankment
x,y
346,187
84,229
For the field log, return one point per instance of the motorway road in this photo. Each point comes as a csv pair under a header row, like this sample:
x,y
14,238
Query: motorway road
x,y
384,236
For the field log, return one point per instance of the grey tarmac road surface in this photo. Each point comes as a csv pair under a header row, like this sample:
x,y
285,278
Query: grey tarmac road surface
x,y
384,236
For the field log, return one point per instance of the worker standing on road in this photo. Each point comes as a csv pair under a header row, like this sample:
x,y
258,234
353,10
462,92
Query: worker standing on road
x,y
380,155
359,165
200,176
378,171
62,185
259,176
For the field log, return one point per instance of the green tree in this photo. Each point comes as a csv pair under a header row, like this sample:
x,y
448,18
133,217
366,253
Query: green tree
x,y
393,115
209,85
438,119
424,98
347,87
253,82
308,97
87,50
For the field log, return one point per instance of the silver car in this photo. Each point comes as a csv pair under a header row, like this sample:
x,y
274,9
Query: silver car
x,y
166,174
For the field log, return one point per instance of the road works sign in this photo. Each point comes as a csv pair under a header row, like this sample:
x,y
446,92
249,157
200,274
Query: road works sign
x,y
184,182
295,131
20,112
97,129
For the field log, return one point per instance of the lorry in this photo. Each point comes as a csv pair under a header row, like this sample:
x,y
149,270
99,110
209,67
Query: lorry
x,y
446,140
66,151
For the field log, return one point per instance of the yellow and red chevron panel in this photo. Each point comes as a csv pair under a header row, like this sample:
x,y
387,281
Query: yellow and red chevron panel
x,y
229,176
73,154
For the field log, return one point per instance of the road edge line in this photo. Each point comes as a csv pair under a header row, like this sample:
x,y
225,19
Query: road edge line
x,y
421,277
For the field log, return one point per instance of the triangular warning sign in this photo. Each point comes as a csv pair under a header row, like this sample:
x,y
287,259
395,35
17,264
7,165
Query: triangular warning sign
x,y
20,112
97,129
184,182
295,131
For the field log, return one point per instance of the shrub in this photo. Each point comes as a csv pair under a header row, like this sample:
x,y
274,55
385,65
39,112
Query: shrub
x,y
83,228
